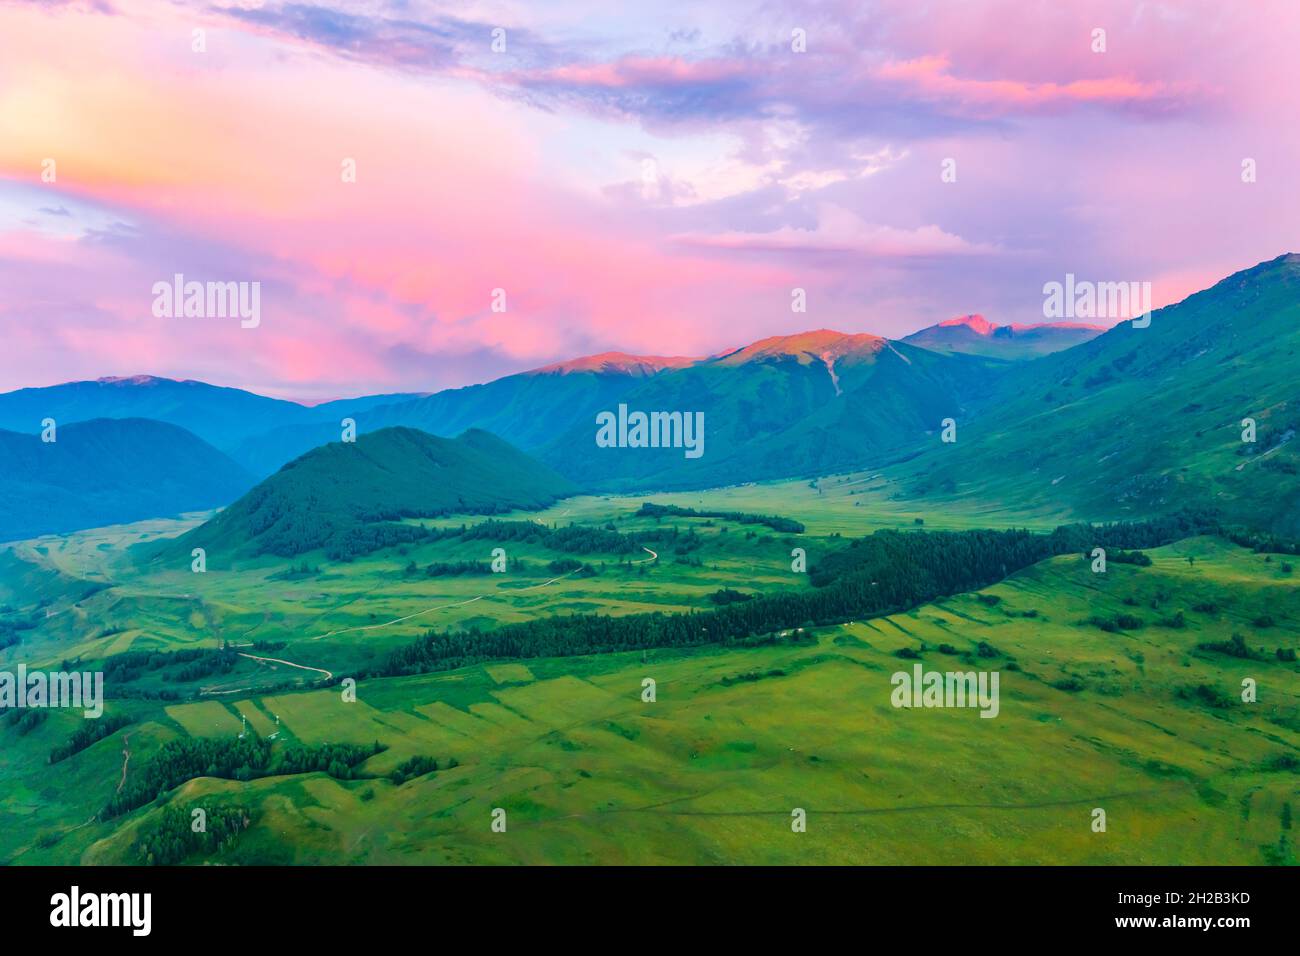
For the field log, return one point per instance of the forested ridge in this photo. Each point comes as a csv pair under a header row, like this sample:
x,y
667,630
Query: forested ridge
x,y
345,497
230,758
172,837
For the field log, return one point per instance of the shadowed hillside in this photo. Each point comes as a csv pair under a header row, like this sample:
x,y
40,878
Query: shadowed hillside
x,y
1141,420
331,494
108,471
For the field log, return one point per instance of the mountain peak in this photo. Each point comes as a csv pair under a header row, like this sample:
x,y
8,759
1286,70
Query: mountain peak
x,y
616,363
825,344
982,326
132,380
975,322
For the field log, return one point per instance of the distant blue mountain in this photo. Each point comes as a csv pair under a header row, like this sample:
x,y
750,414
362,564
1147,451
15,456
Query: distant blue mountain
x,y
109,471
223,417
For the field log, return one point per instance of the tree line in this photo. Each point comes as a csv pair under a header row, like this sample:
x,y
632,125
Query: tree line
x,y
570,539
884,573
230,758
90,732
775,522
172,837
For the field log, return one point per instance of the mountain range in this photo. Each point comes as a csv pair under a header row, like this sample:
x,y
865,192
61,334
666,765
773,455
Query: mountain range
x,y
785,406
530,409
527,409
975,335
222,417
1107,422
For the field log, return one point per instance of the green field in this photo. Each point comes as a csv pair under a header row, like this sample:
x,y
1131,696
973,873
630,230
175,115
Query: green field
x,y
1136,721
352,612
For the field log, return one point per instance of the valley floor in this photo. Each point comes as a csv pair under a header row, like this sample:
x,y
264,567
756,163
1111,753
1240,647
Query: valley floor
x,y
1137,722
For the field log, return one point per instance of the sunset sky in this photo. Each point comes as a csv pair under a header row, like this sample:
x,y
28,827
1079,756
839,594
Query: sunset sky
x,y
652,182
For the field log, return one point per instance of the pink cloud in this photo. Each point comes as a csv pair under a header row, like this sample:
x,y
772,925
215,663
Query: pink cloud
x,y
840,231
630,71
226,165
931,76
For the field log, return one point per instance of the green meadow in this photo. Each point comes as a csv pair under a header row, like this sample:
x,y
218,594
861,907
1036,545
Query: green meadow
x,y
339,613
849,504
1139,721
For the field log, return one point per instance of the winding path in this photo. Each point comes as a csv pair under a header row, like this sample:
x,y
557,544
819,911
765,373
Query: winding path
x,y
276,660
126,759
399,620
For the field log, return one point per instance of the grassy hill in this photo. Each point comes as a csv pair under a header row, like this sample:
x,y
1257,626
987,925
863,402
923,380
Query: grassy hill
x,y
1141,420
336,491
108,471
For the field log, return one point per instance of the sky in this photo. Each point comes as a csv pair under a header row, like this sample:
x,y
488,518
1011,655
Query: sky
x,y
541,180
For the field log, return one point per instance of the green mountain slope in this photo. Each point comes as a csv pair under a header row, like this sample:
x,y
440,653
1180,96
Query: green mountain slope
x,y
334,492
791,405
527,409
1146,419
109,471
